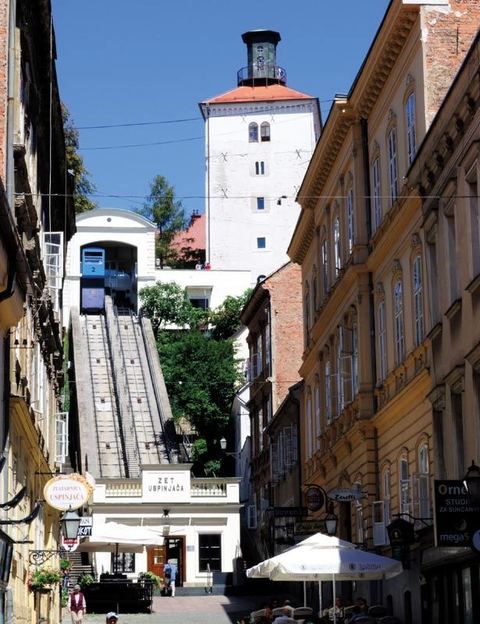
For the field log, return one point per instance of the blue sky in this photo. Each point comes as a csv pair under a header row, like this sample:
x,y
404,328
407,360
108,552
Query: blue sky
x,y
157,61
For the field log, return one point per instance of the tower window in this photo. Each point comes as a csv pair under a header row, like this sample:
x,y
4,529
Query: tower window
x,y
260,167
253,133
265,131
261,242
260,203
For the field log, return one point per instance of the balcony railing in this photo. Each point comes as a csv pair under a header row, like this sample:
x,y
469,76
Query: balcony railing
x,y
261,74
208,487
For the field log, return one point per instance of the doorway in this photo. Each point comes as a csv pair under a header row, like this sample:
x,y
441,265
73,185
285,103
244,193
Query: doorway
x,y
175,550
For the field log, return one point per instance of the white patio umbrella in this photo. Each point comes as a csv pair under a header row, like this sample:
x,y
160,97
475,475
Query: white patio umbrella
x,y
115,537
324,558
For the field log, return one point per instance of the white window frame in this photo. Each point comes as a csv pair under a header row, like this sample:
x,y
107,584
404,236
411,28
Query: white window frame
x,y
410,119
340,373
328,392
350,222
404,487
337,246
318,422
382,341
61,437
393,164
325,267
260,167
417,287
398,322
377,196
379,524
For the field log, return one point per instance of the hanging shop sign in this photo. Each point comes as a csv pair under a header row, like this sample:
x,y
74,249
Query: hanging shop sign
x,y
85,528
346,495
456,518
314,498
66,492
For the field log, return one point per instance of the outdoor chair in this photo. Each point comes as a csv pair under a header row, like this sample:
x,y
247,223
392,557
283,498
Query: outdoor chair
x,y
256,615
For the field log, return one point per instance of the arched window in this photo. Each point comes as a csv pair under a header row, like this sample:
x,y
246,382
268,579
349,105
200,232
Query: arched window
x,y
328,392
265,131
350,221
393,164
336,246
382,341
376,193
398,322
253,132
417,287
411,126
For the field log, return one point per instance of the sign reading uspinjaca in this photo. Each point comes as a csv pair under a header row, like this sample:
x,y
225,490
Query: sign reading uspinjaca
x,y
65,492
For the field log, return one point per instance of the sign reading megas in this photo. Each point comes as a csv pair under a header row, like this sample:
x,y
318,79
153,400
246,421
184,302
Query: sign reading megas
x,y
165,486
67,492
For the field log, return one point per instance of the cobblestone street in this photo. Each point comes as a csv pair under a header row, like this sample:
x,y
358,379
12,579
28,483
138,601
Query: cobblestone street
x,y
185,609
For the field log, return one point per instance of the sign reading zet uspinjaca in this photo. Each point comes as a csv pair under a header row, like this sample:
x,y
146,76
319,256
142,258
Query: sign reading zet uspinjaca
x,y
66,492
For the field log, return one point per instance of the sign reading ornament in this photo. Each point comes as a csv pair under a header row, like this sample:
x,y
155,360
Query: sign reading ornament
x,y
66,492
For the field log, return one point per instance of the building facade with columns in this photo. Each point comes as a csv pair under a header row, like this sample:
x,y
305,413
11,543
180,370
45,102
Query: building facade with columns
x,y
360,241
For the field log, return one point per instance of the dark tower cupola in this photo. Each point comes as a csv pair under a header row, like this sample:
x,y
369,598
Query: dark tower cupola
x,y
262,61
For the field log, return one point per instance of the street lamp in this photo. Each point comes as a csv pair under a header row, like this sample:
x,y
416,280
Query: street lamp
x,y
70,524
471,482
331,521
223,444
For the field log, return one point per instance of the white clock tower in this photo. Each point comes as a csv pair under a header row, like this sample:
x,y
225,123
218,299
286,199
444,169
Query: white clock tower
x,y
260,137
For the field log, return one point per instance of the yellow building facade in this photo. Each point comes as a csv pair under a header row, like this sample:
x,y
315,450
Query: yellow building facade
x,y
367,419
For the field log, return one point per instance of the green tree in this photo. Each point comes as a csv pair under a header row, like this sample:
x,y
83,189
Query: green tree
x,y
167,213
168,304
225,320
83,186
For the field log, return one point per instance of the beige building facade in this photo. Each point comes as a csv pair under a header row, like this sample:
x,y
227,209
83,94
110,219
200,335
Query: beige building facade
x,y
36,221
367,419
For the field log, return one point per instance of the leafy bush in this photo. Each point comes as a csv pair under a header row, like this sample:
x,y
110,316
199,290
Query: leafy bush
x,y
65,564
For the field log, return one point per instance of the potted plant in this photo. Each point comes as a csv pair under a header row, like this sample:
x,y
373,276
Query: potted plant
x,y
43,579
85,580
150,577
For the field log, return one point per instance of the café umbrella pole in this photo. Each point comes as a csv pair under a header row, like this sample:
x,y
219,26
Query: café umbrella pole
x,y
304,593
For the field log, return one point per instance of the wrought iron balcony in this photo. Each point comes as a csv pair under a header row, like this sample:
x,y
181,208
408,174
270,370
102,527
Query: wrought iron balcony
x,y
261,74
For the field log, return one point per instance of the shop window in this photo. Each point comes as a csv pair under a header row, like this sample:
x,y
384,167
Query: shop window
x,y
123,563
210,552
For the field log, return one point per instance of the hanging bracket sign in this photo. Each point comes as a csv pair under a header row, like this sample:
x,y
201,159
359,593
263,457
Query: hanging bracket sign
x,y
346,495
66,492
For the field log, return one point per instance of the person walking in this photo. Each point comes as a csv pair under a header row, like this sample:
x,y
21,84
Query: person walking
x,y
77,605
170,573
